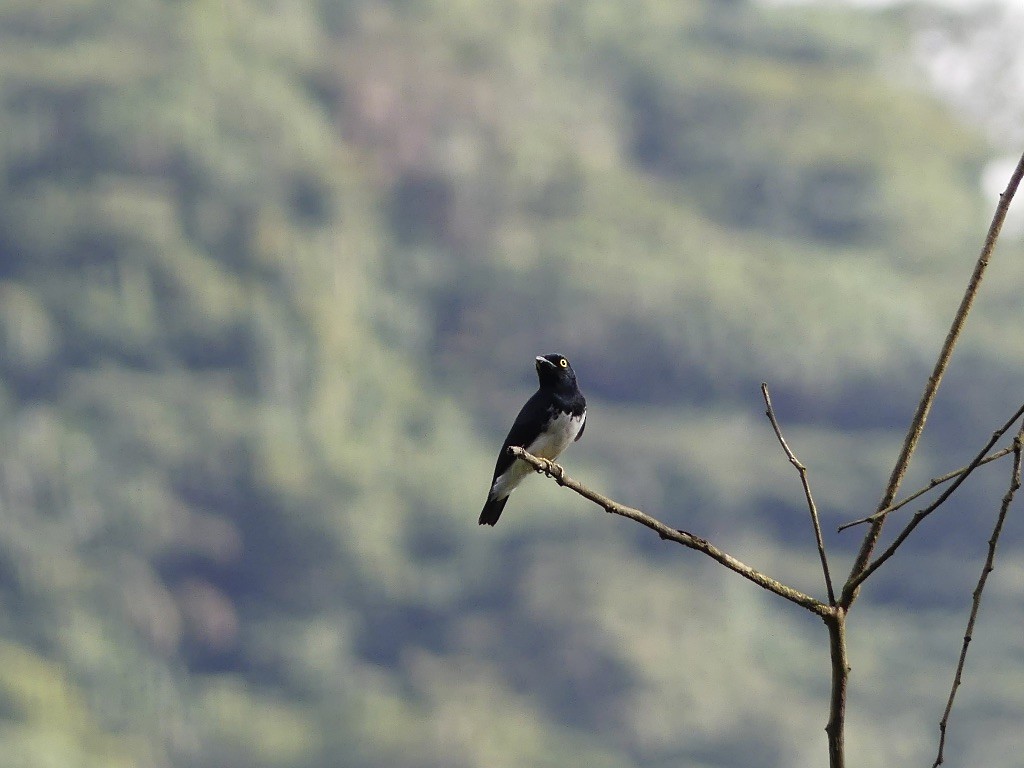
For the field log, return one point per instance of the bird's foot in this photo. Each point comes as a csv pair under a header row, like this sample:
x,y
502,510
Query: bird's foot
x,y
551,469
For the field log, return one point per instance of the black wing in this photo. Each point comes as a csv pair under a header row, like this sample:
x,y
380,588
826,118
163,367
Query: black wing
x,y
525,429
582,427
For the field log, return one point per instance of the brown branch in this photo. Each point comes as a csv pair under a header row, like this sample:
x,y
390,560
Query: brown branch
x,y
556,472
860,564
836,624
935,481
1015,482
923,513
802,470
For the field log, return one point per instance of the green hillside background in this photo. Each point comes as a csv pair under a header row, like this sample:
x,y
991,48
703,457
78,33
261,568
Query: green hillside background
x,y
272,278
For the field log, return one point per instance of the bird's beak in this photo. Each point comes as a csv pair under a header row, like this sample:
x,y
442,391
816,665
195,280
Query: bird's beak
x,y
544,361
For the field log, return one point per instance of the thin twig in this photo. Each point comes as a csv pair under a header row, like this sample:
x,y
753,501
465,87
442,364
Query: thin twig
x,y
860,564
923,513
800,468
1015,481
935,481
556,472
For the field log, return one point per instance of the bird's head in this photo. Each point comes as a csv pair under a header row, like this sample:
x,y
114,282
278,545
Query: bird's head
x,y
555,372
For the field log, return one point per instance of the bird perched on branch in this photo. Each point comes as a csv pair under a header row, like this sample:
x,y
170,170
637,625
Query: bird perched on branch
x,y
552,418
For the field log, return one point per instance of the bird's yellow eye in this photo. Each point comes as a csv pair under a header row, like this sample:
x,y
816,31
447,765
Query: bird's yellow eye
x,y
563,362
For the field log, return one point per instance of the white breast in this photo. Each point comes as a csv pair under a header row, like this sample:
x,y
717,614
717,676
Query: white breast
x,y
550,445
560,433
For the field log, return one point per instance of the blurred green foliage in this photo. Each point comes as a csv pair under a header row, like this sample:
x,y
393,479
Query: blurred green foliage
x,y
269,273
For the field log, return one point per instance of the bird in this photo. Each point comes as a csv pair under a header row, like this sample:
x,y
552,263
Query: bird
x,y
552,418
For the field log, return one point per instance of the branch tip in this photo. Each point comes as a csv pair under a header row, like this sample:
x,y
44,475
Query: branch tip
x,y
805,482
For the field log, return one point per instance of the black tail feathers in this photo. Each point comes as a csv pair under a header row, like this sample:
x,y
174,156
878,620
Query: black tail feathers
x,y
492,510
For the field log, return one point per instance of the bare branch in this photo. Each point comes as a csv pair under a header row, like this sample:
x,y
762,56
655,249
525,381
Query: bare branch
x,y
935,481
920,515
835,728
1015,482
800,468
556,472
860,564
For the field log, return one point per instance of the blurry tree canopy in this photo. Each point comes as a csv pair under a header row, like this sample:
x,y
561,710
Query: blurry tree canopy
x,y
268,271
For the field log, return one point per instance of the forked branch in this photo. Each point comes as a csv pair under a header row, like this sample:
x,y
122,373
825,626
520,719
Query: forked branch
x,y
933,483
923,513
861,563
834,614
556,472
